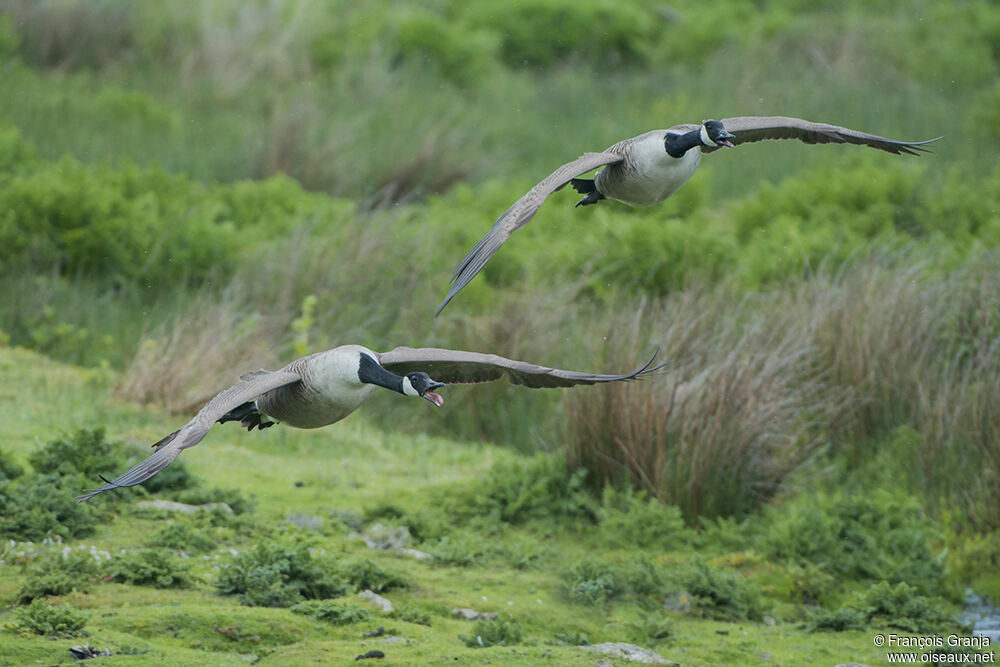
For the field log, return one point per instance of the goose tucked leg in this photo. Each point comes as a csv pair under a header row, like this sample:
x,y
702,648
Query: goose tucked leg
x,y
248,415
586,186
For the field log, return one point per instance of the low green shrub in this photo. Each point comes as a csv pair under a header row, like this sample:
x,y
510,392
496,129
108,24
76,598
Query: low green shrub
x,y
633,519
279,574
62,621
885,605
860,537
459,549
496,632
366,574
87,453
182,535
150,567
36,506
411,614
335,613
539,488
592,581
721,594
58,574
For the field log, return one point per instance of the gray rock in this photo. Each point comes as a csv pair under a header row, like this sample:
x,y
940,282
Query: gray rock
x,y
307,521
382,603
171,506
629,652
472,615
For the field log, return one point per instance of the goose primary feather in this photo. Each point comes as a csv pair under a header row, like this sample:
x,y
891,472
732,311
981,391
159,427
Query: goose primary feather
x,y
325,387
646,169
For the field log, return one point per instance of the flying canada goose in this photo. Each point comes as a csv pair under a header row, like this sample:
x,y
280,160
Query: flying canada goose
x,y
646,169
325,387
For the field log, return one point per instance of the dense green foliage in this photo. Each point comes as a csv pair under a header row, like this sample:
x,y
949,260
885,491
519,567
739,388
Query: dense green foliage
x,y
149,567
55,621
59,575
278,574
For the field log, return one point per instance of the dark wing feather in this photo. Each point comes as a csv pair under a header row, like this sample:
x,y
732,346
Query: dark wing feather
x,y
457,367
249,387
519,215
748,129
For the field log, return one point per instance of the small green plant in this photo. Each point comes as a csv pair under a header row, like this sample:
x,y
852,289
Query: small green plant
x,y
459,549
335,613
279,574
721,594
183,536
411,614
592,581
364,573
41,618
496,632
58,574
150,567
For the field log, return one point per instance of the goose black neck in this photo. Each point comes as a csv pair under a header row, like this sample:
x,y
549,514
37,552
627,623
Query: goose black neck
x,y
679,144
370,372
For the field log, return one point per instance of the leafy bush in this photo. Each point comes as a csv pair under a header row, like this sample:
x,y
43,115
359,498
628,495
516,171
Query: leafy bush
x,y
496,632
534,489
593,582
884,605
865,537
58,574
277,574
86,454
460,549
633,519
36,505
150,567
335,613
721,594
364,573
41,618
181,535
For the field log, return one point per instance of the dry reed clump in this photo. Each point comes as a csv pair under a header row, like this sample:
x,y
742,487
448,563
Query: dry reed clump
x,y
203,350
756,387
922,350
735,413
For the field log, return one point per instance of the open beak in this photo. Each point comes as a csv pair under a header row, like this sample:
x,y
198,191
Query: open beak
x,y
726,140
431,396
